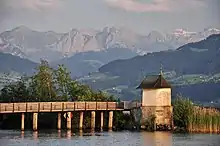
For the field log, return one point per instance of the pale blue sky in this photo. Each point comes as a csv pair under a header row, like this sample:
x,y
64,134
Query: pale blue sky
x,y
139,15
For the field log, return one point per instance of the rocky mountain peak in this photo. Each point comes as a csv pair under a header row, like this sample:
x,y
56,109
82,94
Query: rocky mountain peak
x,y
155,36
32,42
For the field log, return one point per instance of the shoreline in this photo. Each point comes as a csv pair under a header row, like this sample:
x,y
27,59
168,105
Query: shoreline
x,y
75,131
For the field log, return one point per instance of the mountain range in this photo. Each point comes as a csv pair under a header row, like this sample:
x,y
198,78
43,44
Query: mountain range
x,y
24,42
118,65
85,50
192,69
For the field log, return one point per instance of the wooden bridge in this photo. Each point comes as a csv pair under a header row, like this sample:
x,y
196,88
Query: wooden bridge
x,y
64,107
31,107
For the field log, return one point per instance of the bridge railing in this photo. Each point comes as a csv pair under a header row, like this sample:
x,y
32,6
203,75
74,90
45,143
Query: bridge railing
x,y
58,106
127,105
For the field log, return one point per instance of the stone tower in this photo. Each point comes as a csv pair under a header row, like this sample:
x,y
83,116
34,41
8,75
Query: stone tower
x,y
156,100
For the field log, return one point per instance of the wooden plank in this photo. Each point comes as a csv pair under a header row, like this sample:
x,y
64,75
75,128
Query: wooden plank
x,y
6,107
20,107
111,105
69,106
80,106
57,106
91,106
32,106
45,107
101,105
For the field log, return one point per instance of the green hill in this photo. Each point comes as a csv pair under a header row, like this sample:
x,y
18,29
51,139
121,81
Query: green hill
x,y
10,63
192,70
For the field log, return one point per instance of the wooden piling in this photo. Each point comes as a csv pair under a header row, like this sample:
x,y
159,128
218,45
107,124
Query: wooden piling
x,y
22,121
110,120
92,120
35,121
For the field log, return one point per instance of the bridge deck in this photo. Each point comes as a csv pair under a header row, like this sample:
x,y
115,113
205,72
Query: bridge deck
x,y
58,106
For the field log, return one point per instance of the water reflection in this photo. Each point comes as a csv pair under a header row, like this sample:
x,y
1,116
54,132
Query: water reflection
x,y
22,134
64,138
80,132
59,133
35,135
157,138
68,134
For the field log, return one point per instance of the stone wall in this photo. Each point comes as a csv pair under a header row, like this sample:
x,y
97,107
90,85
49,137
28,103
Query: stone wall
x,y
163,114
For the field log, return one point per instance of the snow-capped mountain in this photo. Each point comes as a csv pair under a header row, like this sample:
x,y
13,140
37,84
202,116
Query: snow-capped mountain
x,y
28,43
34,45
11,49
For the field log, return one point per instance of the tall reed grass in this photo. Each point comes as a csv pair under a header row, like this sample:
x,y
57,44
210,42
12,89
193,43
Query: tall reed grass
x,y
195,118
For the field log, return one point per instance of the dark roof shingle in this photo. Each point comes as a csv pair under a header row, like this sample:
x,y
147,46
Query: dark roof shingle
x,y
154,81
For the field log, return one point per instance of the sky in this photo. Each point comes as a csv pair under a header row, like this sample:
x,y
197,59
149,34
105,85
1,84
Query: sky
x,y
141,16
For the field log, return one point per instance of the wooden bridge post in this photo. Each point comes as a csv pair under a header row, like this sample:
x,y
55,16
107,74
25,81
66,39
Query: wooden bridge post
x,y
68,123
110,120
59,121
81,120
101,124
35,119
93,120
22,121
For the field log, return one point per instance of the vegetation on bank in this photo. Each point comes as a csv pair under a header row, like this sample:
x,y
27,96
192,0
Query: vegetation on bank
x,y
48,84
192,118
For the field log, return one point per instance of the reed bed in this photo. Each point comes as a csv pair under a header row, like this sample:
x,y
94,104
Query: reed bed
x,y
195,118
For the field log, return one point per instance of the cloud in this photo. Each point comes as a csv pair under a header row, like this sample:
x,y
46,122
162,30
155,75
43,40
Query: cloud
x,y
155,5
132,5
37,5
23,11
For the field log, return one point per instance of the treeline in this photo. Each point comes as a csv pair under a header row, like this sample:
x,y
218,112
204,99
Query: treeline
x,y
193,118
49,84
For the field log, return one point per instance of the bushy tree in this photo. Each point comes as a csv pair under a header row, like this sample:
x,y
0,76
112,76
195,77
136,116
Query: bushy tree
x,y
42,82
63,83
15,92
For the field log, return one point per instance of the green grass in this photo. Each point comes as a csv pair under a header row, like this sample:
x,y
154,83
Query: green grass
x,y
195,79
114,85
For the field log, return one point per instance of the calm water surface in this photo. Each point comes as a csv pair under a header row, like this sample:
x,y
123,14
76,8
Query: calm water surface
x,y
53,138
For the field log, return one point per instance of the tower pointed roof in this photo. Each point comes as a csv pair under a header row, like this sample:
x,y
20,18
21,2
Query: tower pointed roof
x,y
154,81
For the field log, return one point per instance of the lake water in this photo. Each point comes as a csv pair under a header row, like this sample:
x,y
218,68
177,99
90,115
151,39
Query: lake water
x,y
125,138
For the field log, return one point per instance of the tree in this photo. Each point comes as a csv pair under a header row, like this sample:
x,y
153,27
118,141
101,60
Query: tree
x,y
16,92
42,83
62,81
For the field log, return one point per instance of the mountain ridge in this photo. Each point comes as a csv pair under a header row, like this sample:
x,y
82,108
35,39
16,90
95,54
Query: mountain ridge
x,y
194,65
10,63
54,46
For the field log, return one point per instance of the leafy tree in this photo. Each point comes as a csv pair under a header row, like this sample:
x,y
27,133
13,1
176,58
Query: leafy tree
x,y
42,82
16,92
63,82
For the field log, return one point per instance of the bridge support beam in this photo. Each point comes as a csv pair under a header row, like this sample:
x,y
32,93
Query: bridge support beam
x,y
59,121
110,120
35,120
68,120
101,123
93,120
81,120
22,121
